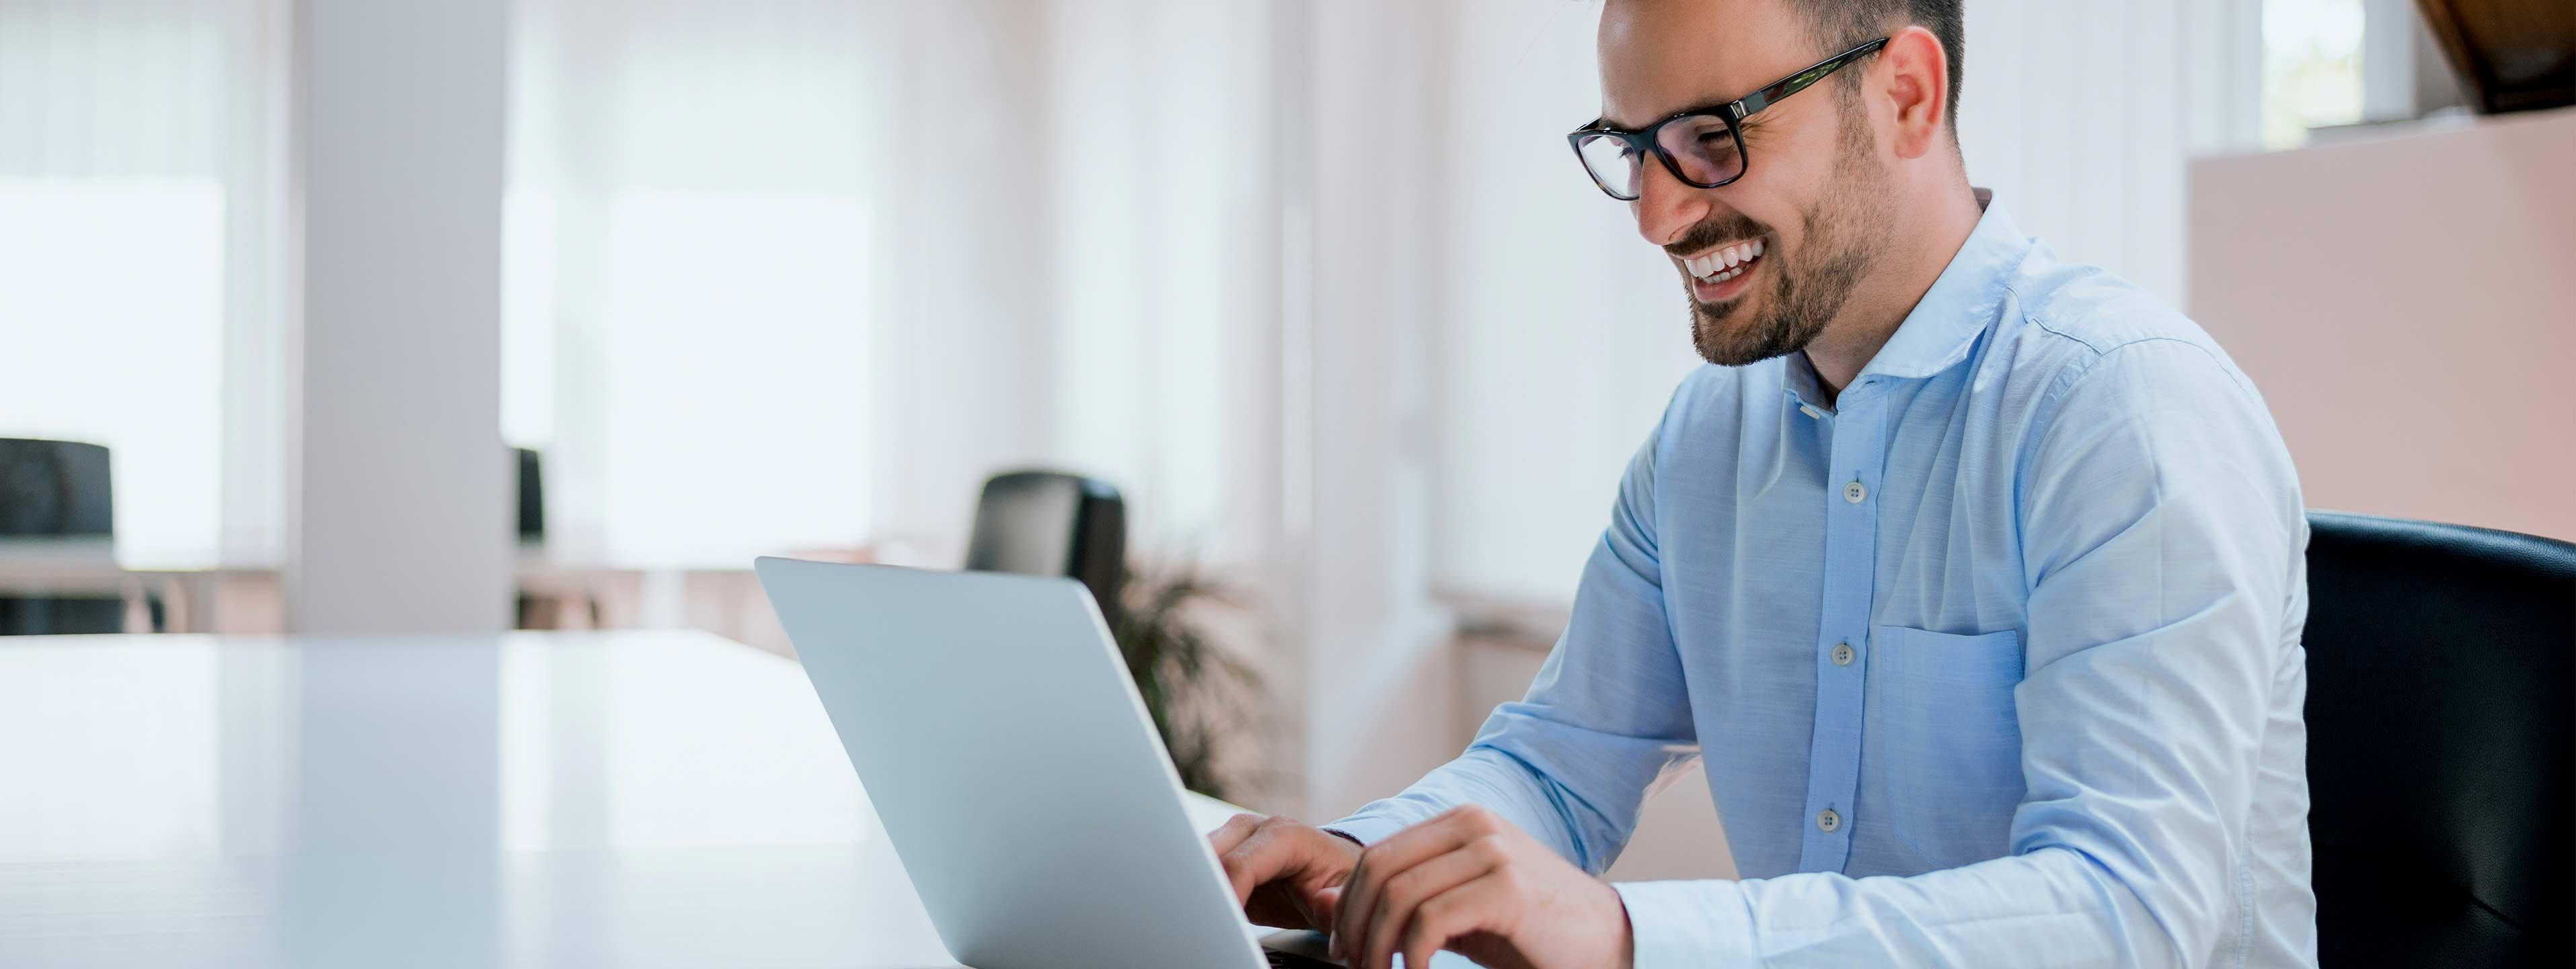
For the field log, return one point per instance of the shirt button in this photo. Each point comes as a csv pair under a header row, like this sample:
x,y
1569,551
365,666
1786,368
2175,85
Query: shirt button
x,y
1853,492
1842,654
1811,411
1828,821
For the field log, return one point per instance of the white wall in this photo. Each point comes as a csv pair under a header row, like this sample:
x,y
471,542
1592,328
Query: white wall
x,y
2082,115
2408,307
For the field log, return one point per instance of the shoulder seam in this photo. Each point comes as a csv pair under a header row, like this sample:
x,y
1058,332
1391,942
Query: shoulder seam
x,y
2100,350
2052,402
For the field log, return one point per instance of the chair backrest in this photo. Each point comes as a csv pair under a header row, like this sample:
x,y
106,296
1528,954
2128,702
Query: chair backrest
x,y
2439,743
1052,523
532,496
54,489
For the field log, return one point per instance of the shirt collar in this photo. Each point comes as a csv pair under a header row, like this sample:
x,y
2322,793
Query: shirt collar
x,y
1960,304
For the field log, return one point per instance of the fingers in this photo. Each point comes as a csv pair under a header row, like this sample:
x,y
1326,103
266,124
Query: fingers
x,y
1323,904
1232,832
1277,867
1405,893
1255,858
1399,852
1447,916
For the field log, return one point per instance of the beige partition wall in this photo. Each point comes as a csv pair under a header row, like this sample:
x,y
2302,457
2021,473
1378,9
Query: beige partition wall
x,y
2408,306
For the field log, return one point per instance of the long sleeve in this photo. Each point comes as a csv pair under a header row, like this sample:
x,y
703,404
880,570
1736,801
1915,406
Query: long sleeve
x,y
2162,537
1605,721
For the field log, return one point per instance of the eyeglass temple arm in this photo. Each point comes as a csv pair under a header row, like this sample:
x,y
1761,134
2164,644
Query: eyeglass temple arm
x,y
1800,81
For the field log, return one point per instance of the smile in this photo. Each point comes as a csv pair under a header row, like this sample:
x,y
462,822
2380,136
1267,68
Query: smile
x,y
1724,262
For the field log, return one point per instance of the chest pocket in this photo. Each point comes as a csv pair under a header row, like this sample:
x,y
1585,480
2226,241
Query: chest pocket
x,y
1952,740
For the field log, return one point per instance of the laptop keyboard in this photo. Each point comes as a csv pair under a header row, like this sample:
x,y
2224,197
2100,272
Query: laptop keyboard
x,y
1292,961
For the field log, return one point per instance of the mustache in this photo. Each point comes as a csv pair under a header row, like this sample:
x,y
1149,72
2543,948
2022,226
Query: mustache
x,y
1714,230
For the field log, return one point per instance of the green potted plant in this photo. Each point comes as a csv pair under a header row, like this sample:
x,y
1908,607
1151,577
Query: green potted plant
x,y
1193,688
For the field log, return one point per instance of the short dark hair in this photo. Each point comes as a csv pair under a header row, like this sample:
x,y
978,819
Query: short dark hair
x,y
1841,23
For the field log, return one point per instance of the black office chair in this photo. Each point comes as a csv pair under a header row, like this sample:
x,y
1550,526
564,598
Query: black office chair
x,y
1052,523
532,496
545,608
2439,743
57,489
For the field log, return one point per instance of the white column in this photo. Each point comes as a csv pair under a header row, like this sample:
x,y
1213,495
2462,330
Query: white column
x,y
400,519
2388,42
1376,678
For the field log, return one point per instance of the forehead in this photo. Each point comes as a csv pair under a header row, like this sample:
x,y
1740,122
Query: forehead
x,y
1663,56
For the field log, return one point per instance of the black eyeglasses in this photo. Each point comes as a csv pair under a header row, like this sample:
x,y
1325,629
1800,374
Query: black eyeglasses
x,y
1704,147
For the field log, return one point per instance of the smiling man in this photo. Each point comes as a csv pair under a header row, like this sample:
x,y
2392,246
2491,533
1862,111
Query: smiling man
x,y
1974,578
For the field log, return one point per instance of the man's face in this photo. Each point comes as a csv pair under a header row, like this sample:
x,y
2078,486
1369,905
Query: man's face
x,y
1814,194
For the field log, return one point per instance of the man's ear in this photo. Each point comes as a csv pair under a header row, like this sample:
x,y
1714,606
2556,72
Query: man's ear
x,y
1915,75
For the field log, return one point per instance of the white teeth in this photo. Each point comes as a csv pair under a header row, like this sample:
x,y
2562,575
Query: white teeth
x,y
1724,264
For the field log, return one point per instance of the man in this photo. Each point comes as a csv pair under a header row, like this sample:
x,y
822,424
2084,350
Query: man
x,y
1974,577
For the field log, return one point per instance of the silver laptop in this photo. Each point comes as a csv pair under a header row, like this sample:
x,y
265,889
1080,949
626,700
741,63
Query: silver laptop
x,y
1017,774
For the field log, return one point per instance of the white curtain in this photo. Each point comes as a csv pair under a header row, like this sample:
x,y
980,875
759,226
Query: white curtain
x,y
142,258
687,328
797,273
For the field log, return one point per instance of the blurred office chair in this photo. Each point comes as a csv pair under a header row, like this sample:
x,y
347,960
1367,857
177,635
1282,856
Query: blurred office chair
x,y
1052,523
2439,743
532,496
58,489
545,608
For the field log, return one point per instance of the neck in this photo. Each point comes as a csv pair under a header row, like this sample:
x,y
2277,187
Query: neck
x,y
1925,246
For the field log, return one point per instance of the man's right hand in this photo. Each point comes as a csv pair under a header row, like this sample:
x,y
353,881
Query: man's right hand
x,y
1286,874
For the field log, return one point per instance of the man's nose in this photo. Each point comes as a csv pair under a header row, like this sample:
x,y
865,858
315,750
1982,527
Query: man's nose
x,y
1665,208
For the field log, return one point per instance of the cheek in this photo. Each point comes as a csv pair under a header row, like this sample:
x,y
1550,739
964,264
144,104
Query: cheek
x,y
1768,197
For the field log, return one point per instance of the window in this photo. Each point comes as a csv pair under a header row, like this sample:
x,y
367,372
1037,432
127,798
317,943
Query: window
x,y
686,301
140,177
2312,67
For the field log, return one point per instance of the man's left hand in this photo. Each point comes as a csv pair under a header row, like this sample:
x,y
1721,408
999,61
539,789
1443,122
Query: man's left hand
x,y
1472,882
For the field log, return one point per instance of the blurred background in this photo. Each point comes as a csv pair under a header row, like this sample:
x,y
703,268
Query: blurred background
x,y
401,317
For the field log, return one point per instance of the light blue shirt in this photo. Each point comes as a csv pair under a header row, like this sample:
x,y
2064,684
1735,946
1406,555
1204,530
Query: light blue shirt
x,y
1994,663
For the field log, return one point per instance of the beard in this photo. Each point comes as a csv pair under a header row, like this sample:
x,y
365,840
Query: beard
x,y
1843,237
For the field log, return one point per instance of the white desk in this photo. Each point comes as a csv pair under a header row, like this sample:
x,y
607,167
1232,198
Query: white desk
x,y
530,799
